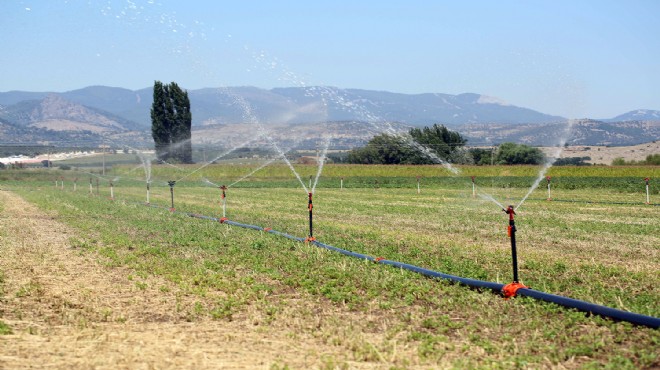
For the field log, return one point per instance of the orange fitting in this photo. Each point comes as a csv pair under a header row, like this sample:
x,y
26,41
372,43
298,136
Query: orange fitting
x,y
310,239
510,289
378,259
172,209
267,229
508,231
223,219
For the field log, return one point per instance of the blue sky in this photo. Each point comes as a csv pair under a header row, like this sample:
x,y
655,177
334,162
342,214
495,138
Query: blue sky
x,y
577,59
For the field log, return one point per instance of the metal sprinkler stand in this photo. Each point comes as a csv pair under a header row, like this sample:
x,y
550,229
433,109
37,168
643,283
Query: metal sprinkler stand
x,y
224,201
171,184
548,179
509,290
474,189
310,206
112,191
148,193
648,200
90,186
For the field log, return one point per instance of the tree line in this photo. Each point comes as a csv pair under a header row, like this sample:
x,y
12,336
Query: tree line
x,y
422,145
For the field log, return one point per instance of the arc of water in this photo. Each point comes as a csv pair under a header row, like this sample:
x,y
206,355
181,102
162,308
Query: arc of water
x,y
549,162
254,171
321,162
220,156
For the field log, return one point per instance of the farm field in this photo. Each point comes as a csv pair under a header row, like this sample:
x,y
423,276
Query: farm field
x,y
94,282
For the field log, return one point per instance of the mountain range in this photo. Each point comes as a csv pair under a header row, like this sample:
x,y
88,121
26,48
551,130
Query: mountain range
x,y
99,111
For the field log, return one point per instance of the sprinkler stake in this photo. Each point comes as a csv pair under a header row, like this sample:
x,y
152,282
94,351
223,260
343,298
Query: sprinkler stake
x,y
90,186
512,234
171,184
148,193
648,200
97,187
224,201
548,179
474,189
418,189
310,206
112,191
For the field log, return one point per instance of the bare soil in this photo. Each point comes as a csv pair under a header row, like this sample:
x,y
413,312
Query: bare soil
x,y
67,309
606,154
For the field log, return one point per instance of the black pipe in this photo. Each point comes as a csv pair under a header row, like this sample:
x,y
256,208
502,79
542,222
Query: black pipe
x,y
631,317
608,312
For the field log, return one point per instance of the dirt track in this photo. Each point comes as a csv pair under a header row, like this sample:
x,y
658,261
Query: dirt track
x,y
66,309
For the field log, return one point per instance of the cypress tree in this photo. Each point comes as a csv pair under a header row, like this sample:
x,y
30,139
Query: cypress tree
x,y
171,123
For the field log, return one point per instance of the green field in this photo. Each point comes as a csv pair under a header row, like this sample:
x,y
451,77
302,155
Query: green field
x,y
595,241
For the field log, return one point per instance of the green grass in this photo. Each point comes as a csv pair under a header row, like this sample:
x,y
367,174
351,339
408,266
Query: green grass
x,y
603,253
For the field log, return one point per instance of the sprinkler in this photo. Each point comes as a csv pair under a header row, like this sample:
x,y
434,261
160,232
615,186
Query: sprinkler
x,y
310,181
75,183
112,190
510,289
56,183
648,200
474,189
171,184
310,206
90,186
418,189
223,198
341,184
548,179
147,192
62,181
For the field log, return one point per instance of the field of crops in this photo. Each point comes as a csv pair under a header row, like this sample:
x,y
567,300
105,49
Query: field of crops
x,y
596,240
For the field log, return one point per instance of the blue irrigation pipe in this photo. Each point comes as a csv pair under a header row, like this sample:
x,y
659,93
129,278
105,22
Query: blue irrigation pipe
x,y
608,312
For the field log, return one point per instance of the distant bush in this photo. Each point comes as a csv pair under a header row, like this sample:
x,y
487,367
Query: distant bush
x,y
65,167
511,153
573,161
651,160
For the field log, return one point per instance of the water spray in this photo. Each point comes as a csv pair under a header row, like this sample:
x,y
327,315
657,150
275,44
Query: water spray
x,y
97,187
75,183
171,184
509,290
548,179
310,181
310,206
56,183
648,200
62,181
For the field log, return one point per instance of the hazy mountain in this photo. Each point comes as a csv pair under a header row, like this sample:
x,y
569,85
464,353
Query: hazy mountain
x,y
96,112
637,115
301,105
582,132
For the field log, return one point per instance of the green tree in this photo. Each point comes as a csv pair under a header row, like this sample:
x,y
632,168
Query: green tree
x,y
171,123
511,153
439,139
392,149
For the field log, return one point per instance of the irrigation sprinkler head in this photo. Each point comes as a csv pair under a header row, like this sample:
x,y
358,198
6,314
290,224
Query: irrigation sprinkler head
x,y
171,183
647,180
472,179
548,178
224,189
510,211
